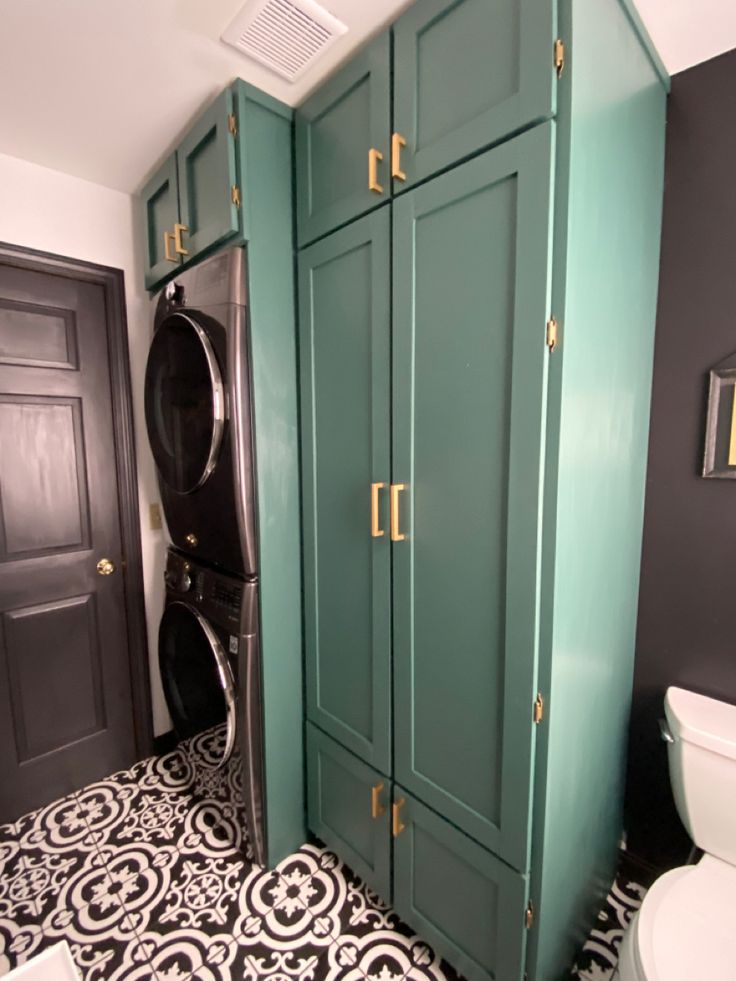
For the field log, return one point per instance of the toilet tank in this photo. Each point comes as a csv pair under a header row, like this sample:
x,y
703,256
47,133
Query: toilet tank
x,y
702,759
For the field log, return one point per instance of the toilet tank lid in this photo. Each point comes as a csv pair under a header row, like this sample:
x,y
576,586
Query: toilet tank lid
x,y
704,721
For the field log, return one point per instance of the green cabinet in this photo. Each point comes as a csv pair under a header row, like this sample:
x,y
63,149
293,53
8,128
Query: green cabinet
x,y
193,202
342,144
467,904
467,74
344,300
349,809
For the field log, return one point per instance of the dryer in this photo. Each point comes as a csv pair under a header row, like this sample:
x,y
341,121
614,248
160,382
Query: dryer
x,y
209,658
198,412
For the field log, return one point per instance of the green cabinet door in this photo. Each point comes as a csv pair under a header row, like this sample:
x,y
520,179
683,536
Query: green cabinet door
x,y
344,340
335,131
348,808
458,897
468,74
471,264
160,214
207,175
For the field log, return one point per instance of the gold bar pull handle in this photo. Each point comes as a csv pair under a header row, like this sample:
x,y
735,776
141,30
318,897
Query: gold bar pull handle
x,y
732,441
397,825
376,530
397,141
178,244
377,808
373,157
169,239
396,535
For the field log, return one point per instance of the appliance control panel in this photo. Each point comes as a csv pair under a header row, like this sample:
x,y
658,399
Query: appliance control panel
x,y
224,599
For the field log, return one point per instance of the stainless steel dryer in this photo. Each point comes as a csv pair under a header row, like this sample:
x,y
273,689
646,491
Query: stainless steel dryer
x,y
198,412
210,669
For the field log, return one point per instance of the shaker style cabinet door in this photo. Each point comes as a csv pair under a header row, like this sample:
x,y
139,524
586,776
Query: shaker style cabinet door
x,y
469,378
348,808
466,903
160,199
344,341
342,144
468,74
207,175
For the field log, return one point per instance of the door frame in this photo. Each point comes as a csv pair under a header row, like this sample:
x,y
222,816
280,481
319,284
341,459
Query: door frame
x,y
113,284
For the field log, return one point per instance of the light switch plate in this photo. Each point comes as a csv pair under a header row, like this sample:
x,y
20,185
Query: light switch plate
x,y
155,517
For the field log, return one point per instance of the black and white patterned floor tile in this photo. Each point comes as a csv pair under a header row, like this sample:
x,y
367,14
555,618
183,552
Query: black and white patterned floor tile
x,y
599,957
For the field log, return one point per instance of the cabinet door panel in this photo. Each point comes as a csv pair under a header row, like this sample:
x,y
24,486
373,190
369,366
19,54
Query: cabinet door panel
x,y
461,899
469,379
341,799
160,213
467,74
345,388
207,173
335,129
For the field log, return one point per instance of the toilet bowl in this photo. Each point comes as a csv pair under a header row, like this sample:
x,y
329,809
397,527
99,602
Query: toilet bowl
x,y
685,929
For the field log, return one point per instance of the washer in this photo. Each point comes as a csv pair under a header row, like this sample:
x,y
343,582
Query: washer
x,y
198,412
210,669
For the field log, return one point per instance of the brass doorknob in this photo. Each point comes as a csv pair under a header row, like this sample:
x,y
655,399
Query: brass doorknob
x,y
105,567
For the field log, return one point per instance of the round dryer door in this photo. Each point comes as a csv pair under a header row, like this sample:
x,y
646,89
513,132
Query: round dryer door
x,y
196,675
185,403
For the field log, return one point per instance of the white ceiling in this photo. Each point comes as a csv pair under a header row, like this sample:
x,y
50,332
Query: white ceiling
x,y
102,89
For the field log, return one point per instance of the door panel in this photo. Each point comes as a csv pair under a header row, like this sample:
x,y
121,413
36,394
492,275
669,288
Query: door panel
x,y
341,807
66,714
469,376
461,899
345,390
207,173
335,129
161,213
468,74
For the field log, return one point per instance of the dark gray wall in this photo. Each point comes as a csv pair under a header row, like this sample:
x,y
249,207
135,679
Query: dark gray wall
x,y
687,604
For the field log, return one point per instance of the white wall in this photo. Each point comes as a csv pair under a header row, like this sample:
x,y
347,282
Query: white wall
x,y
45,209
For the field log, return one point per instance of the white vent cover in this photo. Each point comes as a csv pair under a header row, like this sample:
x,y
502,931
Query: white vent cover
x,y
285,35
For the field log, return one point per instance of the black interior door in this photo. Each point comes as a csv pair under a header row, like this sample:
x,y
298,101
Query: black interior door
x,y
66,714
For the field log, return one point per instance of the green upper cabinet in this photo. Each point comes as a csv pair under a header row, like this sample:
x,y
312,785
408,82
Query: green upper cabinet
x,y
160,215
208,192
193,202
468,74
344,324
342,144
471,258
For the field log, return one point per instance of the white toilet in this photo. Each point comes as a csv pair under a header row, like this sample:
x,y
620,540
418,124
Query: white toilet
x,y
685,929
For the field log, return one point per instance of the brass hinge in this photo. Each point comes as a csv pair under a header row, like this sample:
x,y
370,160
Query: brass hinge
x,y
552,331
559,56
235,195
529,915
232,124
538,708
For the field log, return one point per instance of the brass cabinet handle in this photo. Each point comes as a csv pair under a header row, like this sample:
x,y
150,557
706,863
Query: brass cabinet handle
x,y
377,808
105,567
373,157
178,245
169,237
396,535
376,530
397,825
397,141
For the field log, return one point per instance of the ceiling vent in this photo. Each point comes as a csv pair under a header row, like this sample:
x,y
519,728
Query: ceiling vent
x,y
286,36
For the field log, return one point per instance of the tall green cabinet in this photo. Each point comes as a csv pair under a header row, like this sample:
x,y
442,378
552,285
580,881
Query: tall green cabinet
x,y
475,359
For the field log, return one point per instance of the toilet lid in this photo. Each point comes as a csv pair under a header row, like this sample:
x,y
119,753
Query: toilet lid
x,y
687,924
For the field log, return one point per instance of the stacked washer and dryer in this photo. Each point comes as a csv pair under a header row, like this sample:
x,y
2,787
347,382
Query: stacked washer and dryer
x,y
198,416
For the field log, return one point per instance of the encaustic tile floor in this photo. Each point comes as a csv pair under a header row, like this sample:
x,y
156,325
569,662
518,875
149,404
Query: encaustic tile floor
x,y
147,882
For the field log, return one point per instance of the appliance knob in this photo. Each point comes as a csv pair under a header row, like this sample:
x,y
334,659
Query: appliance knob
x,y
185,583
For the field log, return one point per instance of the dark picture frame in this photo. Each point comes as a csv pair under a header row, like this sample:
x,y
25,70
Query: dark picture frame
x,y
720,427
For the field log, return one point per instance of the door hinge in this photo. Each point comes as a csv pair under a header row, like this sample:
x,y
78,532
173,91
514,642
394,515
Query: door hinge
x,y
232,124
235,195
538,708
529,915
559,56
552,331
